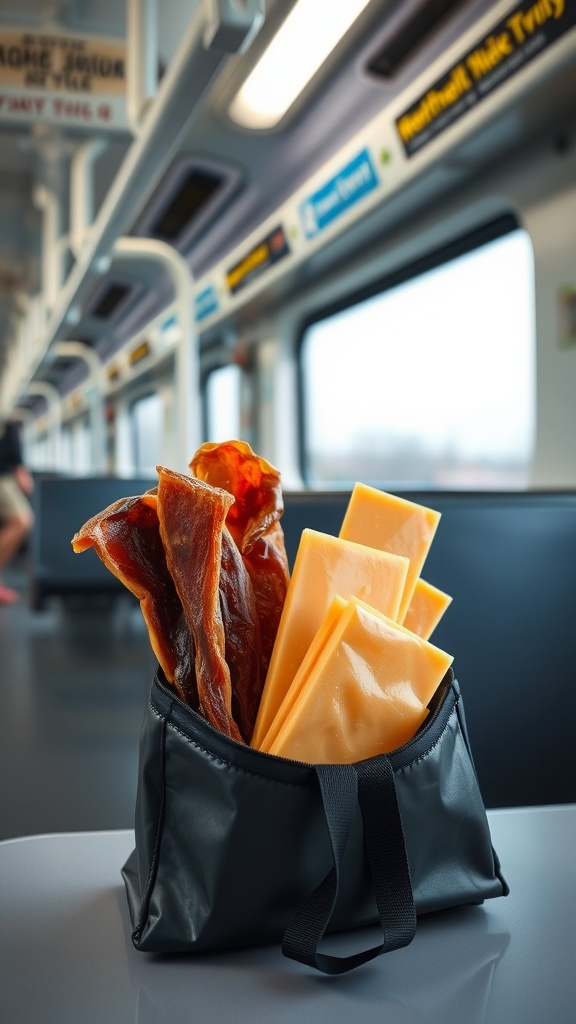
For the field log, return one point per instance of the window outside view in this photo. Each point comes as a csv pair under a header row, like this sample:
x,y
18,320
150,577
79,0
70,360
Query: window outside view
x,y
222,397
430,384
147,419
76,453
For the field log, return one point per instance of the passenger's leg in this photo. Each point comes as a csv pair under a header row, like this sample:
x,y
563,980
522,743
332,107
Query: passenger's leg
x,y
13,531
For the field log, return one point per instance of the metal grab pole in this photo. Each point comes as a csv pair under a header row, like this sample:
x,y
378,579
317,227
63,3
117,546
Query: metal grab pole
x,y
79,350
82,191
141,58
214,26
53,404
187,369
216,29
52,257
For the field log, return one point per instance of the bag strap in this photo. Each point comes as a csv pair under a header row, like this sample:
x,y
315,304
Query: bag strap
x,y
371,785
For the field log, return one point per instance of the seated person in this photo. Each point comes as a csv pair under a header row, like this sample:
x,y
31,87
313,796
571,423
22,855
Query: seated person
x,y
15,511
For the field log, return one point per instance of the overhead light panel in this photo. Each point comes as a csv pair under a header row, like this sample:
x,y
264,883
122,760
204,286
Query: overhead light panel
x,y
306,38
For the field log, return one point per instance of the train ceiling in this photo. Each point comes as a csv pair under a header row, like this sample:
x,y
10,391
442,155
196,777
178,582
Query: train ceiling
x,y
224,180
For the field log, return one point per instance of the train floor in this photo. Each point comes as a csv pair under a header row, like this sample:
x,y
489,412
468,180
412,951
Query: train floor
x,y
73,685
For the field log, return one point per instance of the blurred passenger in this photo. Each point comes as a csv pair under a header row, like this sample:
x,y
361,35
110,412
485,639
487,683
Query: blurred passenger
x,y
15,510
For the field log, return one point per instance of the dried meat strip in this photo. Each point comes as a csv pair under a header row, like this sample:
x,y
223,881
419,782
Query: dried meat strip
x,y
253,521
242,633
126,537
192,516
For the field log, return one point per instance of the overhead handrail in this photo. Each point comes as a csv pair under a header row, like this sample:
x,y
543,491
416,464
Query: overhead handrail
x,y
80,350
187,366
216,29
164,124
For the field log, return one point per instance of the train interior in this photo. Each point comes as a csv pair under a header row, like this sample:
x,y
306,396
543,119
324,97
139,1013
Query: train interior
x,y
177,266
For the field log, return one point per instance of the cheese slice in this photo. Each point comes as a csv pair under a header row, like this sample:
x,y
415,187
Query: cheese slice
x,y
426,608
394,524
324,566
365,694
314,652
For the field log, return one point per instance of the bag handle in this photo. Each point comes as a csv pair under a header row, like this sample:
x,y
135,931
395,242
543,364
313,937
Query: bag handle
x,y
370,784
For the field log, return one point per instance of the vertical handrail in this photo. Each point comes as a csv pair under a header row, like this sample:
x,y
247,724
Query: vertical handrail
x,y
79,350
46,200
53,400
141,58
187,369
82,191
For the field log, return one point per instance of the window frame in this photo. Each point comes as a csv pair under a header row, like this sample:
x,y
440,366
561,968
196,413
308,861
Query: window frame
x,y
491,231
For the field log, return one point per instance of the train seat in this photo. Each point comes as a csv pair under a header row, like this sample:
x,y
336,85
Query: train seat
x,y
61,506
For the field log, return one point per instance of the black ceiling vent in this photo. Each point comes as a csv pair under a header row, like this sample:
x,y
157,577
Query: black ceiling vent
x,y
427,17
188,198
111,299
108,302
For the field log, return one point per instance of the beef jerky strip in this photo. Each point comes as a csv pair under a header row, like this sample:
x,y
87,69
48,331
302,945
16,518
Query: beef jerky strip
x,y
191,516
126,537
253,521
242,633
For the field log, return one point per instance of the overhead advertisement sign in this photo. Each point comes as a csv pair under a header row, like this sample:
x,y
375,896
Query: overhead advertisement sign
x,y
266,253
528,30
139,352
206,303
337,195
62,79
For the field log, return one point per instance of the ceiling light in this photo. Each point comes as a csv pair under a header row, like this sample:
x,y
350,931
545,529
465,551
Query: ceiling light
x,y
302,44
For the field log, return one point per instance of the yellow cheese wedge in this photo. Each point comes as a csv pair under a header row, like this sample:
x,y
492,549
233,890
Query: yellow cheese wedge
x,y
365,694
394,524
324,566
426,608
314,652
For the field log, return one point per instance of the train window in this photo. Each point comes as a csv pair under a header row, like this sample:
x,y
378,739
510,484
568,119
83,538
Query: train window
x,y
37,454
147,428
222,403
82,448
67,449
75,447
430,382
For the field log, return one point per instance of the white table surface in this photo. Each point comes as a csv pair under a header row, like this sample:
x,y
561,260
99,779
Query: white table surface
x,y
66,954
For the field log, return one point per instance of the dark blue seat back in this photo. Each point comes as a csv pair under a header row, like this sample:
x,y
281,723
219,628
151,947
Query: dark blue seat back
x,y
61,506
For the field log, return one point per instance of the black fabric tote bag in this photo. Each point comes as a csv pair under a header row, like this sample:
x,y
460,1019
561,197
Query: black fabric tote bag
x,y
235,847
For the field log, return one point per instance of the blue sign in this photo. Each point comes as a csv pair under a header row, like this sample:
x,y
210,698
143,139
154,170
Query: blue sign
x,y
206,303
352,183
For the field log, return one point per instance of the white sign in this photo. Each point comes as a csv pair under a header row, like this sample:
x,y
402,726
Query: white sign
x,y
61,78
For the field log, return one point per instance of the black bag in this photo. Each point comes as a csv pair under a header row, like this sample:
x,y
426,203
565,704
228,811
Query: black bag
x,y
235,847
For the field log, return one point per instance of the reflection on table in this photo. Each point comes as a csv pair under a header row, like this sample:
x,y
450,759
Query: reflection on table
x,y
66,953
